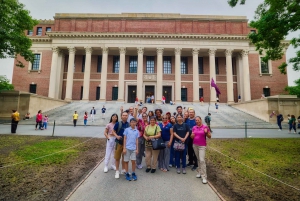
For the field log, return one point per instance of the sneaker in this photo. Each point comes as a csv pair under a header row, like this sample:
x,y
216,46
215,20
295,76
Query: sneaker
x,y
105,169
140,166
153,170
123,171
279,130
128,178
117,175
134,177
178,171
183,171
189,164
112,167
194,168
204,181
198,175
148,169
295,132
170,165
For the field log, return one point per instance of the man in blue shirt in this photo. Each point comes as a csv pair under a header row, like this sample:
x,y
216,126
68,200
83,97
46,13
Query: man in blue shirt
x,y
92,113
192,156
103,112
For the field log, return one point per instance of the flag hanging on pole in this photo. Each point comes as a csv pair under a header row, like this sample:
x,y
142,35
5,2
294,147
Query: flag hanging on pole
x,y
213,84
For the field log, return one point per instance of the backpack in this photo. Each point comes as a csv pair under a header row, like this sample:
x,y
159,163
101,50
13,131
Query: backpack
x,y
119,128
281,118
206,119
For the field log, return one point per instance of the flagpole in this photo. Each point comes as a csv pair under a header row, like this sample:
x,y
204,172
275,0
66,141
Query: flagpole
x,y
209,97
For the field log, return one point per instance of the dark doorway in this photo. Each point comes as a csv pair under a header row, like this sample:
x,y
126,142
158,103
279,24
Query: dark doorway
x,y
201,93
183,94
81,92
98,93
32,88
149,91
115,93
266,92
131,94
167,92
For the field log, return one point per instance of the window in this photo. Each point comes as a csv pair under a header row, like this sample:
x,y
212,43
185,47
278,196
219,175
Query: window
x,y
149,64
201,93
266,92
29,32
32,88
83,64
97,93
81,92
36,62
115,93
39,31
200,65
133,64
183,94
48,29
99,64
253,31
183,65
116,64
217,65
167,65
264,66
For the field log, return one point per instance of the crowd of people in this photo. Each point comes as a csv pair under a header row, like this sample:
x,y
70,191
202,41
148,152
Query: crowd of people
x,y
133,137
292,121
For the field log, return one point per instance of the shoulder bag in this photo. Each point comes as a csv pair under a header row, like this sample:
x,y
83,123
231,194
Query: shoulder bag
x,y
158,143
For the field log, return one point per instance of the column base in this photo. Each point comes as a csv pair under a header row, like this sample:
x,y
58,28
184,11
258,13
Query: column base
x,y
68,99
102,100
196,101
120,101
85,100
230,102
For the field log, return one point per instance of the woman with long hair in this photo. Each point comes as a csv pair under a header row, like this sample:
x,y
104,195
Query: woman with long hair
x,y
110,143
39,120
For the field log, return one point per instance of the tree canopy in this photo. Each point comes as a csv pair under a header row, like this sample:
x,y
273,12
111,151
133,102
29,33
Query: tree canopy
x,y
294,90
14,21
4,84
274,20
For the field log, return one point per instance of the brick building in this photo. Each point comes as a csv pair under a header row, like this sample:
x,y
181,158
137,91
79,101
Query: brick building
x,y
120,56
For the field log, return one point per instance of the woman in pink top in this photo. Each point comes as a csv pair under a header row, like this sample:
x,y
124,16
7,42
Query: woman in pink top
x,y
199,134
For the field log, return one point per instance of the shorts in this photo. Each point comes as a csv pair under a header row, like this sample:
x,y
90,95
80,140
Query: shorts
x,y
130,155
118,151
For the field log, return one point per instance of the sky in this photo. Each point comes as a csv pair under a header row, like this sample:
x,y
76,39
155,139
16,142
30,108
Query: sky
x,y
45,9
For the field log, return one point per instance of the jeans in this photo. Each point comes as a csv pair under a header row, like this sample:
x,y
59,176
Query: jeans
x,y
191,153
182,155
279,125
85,121
74,122
14,125
291,126
139,156
172,154
45,124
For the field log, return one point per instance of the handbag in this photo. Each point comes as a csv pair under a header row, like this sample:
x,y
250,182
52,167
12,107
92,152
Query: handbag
x,y
158,143
178,146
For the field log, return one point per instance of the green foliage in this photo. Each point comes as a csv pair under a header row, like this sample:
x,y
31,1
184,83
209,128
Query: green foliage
x,y
14,21
4,84
233,3
274,19
294,90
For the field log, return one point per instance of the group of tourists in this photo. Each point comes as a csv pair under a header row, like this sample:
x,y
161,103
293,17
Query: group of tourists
x,y
292,121
85,116
163,139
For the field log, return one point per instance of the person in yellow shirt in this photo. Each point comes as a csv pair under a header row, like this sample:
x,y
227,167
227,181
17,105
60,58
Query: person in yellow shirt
x,y
15,118
75,117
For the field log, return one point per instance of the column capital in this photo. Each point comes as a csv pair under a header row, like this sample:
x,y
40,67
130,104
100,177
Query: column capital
x,y
195,51
245,53
88,50
177,51
105,50
228,52
160,50
140,50
212,52
55,49
122,50
71,49
60,53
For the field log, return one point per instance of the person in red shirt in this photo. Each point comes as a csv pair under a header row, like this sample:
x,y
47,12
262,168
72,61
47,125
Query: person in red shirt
x,y
85,117
163,99
136,100
39,120
201,100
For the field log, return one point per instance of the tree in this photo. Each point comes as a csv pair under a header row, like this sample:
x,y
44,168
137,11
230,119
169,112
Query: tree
x,y
4,84
274,19
294,90
14,21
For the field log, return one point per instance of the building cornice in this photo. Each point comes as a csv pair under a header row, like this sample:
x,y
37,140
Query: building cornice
x,y
40,39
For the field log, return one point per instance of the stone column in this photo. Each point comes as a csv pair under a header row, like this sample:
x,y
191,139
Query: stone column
x,y
177,75
195,53
59,75
69,85
229,76
212,73
246,75
53,71
103,74
159,74
121,74
139,87
87,73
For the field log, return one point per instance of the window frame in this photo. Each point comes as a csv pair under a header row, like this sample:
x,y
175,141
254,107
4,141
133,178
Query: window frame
x,y
40,63
47,29
29,32
31,85
184,65
116,64
98,91
37,31
99,64
133,65
167,65
269,65
150,65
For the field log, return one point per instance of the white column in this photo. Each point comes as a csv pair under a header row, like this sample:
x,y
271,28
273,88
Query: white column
x,y
87,73
212,73
229,76
103,74
69,85
159,74
53,72
139,87
246,75
195,52
177,75
59,75
121,74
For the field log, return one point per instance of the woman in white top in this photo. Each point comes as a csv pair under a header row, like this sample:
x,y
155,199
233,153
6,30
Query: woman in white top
x,y
152,99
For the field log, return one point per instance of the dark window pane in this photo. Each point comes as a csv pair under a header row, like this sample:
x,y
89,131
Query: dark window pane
x,y
99,64
48,29
217,65
167,65
264,66
200,65
36,62
81,92
149,64
201,93
32,88
97,93
266,92
39,31
133,64
183,65
116,64
29,32
183,94
115,93
83,63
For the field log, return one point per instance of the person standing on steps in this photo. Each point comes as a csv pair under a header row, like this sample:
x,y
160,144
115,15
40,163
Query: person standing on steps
x,y
207,120
239,98
152,99
163,99
201,100
15,118
85,118
103,110
217,107
92,113
75,118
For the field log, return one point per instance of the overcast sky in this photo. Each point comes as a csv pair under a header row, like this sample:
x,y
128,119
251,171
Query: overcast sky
x,y
45,9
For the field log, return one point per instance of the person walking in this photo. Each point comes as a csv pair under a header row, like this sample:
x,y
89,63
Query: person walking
x,y
279,120
181,133
192,156
15,118
39,120
45,122
103,110
85,118
110,142
75,118
292,123
141,125
167,136
199,134
207,120
93,113
217,107
152,131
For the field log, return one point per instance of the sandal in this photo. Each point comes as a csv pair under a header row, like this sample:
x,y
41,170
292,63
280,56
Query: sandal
x,y
165,170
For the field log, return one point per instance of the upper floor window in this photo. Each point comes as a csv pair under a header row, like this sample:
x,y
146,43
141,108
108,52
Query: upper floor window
x,y
29,32
252,31
116,64
149,64
48,29
167,65
83,63
217,65
183,65
264,66
36,62
39,31
133,64
99,64
200,65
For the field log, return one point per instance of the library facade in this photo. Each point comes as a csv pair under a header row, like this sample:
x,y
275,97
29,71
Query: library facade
x,y
118,57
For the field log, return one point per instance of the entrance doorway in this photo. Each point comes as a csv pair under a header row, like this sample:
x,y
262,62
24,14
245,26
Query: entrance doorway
x,y
131,94
149,91
167,92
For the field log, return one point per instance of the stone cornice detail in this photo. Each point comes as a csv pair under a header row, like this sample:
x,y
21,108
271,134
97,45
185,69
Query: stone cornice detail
x,y
40,39
177,51
195,51
160,50
72,49
244,53
105,50
228,52
55,49
140,50
212,52
122,50
88,50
